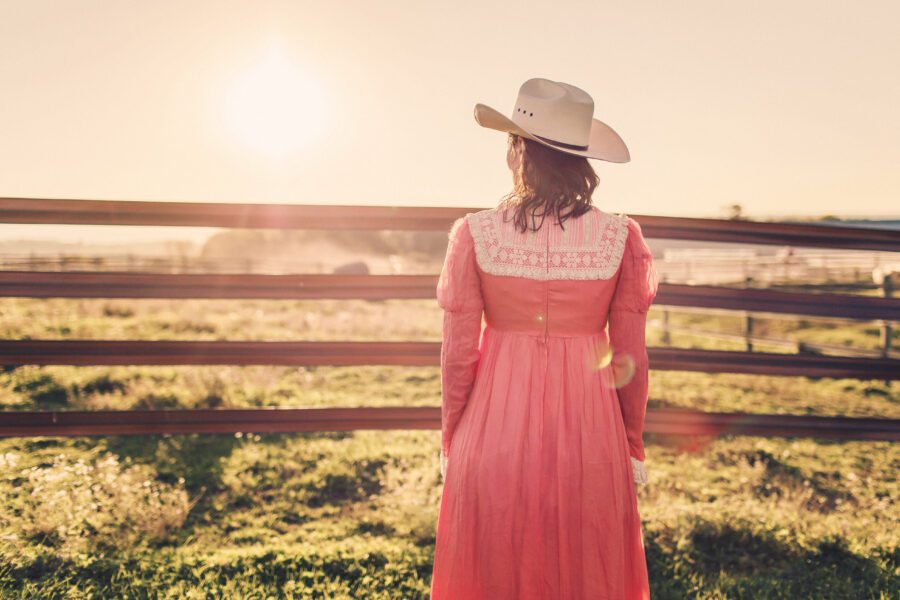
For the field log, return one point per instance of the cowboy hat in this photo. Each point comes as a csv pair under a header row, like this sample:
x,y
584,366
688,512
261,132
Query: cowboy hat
x,y
558,115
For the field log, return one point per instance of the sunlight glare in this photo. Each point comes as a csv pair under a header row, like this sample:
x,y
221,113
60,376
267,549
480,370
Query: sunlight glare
x,y
275,108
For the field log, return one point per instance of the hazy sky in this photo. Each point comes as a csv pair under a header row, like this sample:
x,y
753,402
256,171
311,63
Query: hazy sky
x,y
785,107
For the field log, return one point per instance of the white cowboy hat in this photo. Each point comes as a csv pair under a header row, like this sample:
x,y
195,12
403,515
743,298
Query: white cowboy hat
x,y
558,115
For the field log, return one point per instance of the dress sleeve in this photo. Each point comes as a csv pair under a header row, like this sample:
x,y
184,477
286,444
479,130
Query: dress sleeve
x,y
459,294
634,293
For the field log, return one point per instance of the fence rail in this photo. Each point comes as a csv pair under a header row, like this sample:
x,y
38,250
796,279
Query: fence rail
x,y
322,216
114,352
283,420
88,284
380,287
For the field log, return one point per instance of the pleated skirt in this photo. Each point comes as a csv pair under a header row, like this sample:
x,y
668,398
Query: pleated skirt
x,y
539,500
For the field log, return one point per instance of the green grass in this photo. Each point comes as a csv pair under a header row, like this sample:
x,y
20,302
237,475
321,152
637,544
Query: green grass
x,y
352,514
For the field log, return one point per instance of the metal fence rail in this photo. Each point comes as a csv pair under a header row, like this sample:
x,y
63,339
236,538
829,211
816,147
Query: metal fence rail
x,y
283,420
89,284
114,352
380,287
326,216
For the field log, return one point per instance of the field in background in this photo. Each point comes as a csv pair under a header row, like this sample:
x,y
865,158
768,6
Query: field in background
x,y
351,514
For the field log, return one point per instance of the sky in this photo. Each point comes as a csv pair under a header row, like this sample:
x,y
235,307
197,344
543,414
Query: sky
x,y
787,107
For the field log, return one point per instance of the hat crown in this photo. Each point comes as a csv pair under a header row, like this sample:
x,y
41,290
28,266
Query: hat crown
x,y
555,110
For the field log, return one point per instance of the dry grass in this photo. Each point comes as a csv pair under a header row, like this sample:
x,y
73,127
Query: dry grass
x,y
352,514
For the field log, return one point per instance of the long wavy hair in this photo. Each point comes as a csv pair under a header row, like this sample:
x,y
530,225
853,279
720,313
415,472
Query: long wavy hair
x,y
548,180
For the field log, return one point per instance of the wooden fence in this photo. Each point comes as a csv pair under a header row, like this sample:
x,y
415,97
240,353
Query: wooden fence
x,y
87,284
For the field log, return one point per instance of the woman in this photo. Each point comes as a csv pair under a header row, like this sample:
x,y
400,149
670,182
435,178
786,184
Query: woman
x,y
543,411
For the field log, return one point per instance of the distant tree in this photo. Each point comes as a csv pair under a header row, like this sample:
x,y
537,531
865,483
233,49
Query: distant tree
x,y
735,212
180,248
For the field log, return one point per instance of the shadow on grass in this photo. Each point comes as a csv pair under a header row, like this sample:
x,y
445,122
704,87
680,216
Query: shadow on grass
x,y
198,459
195,457
722,560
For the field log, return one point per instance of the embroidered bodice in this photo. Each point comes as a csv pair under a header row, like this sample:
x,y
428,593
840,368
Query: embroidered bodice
x,y
587,247
544,290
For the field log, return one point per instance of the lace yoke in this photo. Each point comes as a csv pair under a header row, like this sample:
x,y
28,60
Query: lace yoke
x,y
590,247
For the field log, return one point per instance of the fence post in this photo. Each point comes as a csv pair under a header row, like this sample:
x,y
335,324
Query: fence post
x,y
748,331
887,289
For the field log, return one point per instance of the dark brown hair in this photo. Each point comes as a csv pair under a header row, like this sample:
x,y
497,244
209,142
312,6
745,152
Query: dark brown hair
x,y
547,179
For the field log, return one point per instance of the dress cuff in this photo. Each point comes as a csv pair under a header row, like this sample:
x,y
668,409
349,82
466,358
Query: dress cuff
x,y
638,470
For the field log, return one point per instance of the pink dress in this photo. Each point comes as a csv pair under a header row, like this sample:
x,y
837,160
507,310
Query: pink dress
x,y
542,409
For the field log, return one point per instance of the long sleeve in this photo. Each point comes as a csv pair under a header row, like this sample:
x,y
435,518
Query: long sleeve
x,y
635,291
459,294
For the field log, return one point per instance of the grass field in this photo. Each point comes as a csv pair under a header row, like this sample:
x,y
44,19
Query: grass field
x,y
352,514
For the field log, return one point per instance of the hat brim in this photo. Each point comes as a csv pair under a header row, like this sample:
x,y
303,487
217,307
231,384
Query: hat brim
x,y
605,143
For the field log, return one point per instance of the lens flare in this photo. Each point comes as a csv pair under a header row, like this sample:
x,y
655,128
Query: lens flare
x,y
623,368
694,443
602,356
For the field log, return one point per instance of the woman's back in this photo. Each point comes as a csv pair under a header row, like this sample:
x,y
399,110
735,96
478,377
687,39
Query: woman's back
x,y
537,426
556,281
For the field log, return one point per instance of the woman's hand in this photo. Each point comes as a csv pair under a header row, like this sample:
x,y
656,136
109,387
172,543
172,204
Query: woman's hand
x,y
638,470
444,461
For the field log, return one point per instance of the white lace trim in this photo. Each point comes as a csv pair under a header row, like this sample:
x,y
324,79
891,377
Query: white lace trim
x,y
590,247
638,470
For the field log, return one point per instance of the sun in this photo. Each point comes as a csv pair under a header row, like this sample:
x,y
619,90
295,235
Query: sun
x,y
275,108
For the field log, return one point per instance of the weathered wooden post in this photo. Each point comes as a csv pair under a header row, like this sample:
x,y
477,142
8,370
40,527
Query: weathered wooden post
x,y
748,330
666,336
884,276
